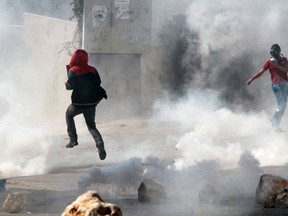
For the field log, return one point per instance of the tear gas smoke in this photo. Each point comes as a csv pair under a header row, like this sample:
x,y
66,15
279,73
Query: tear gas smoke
x,y
124,174
233,46
220,133
185,185
229,50
220,46
217,133
230,46
25,142
24,146
247,174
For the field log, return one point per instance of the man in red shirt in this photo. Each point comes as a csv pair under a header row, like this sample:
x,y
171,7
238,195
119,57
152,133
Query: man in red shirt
x,y
278,68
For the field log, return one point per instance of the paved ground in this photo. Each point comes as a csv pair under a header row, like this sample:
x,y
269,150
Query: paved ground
x,y
50,193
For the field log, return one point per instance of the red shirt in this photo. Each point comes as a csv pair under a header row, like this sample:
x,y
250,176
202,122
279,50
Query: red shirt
x,y
277,76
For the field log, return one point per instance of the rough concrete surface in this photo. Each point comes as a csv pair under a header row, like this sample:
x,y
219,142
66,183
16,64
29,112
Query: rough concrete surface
x,y
50,193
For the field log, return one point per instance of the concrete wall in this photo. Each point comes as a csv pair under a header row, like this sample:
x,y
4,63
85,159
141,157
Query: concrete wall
x,y
117,26
121,78
107,34
49,43
133,81
116,34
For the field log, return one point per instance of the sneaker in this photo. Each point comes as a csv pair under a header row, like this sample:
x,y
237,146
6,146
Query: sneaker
x,y
101,151
71,144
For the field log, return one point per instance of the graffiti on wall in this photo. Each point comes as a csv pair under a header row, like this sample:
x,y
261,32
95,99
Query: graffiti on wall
x,y
99,13
117,26
123,9
100,26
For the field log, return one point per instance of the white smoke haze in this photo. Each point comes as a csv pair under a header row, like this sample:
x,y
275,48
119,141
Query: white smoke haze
x,y
220,146
232,27
184,185
218,138
24,146
217,133
24,137
232,46
123,175
184,110
25,141
244,179
130,173
215,137
228,30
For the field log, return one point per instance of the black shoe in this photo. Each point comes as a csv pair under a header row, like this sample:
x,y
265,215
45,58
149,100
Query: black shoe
x,y
101,151
71,144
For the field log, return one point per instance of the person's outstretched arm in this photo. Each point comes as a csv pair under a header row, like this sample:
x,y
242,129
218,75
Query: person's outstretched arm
x,y
256,76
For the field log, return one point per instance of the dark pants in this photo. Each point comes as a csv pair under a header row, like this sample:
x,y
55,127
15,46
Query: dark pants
x,y
89,115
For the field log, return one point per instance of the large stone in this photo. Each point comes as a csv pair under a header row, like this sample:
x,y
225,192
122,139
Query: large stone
x,y
15,202
269,188
151,191
91,204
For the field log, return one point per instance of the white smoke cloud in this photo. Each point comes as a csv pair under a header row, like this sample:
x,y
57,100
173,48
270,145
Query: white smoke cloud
x,y
130,173
24,137
244,179
184,185
24,145
232,44
233,28
219,138
216,136
217,133
124,174
230,30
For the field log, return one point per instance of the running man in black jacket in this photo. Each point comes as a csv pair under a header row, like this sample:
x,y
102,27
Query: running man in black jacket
x,y
85,82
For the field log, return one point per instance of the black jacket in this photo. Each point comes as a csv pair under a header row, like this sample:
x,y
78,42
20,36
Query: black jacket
x,y
86,88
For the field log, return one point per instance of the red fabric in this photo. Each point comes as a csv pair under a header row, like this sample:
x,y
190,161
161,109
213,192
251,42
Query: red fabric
x,y
277,76
79,63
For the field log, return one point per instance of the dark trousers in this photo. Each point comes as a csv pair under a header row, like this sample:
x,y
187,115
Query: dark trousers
x,y
89,115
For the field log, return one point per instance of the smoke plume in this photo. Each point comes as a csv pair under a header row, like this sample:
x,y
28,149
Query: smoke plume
x,y
225,117
25,140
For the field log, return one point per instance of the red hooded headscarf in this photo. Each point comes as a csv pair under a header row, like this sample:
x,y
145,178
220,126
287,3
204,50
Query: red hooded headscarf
x,y
79,63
